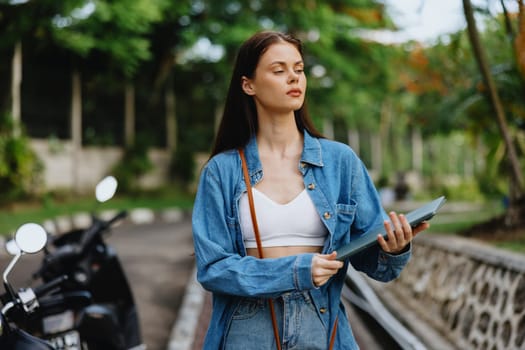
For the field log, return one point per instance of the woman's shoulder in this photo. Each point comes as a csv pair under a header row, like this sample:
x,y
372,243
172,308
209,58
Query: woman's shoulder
x,y
224,160
336,148
225,156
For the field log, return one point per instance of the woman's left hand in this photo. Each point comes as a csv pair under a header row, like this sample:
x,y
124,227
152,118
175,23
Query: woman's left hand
x,y
400,235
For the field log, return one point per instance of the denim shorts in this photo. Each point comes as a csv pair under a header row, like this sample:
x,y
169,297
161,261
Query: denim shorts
x,y
300,326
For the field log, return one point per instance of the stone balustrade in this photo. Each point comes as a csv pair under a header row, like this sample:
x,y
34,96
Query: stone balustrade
x,y
461,294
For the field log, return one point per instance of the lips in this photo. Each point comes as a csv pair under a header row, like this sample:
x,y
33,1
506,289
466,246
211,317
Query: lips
x,y
294,92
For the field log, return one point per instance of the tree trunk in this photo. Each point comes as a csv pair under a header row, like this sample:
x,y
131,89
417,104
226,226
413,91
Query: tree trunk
x,y
384,143
417,150
76,125
171,119
519,40
377,153
516,181
16,83
129,115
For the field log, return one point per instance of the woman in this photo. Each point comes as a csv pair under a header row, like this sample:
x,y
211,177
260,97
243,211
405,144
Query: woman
x,y
311,196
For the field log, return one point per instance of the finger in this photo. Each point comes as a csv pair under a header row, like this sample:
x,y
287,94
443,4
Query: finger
x,y
421,227
403,231
322,267
319,282
320,276
331,256
382,243
390,236
330,267
407,229
398,229
329,261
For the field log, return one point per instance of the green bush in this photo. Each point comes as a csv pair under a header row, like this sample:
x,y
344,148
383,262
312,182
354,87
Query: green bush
x,y
134,163
465,190
20,168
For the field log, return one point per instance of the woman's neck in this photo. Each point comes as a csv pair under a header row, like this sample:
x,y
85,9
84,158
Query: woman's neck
x,y
279,136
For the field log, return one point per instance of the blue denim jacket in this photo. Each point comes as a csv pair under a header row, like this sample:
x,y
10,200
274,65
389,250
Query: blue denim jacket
x,y
348,204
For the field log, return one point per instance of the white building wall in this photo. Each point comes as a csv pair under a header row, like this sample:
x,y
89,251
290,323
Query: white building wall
x,y
93,164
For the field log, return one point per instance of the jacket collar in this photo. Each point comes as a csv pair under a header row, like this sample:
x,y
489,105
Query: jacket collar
x,y
312,150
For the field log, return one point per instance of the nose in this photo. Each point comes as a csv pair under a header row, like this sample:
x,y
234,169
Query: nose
x,y
293,77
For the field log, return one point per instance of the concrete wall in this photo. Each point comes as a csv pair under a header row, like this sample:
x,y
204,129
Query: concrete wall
x,y
471,294
63,170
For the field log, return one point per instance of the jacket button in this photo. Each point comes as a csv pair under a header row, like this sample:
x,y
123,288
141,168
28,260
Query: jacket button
x,y
311,186
327,215
322,310
304,165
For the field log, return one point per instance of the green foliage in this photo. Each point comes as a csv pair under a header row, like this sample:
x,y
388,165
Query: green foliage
x,y
463,190
135,163
20,168
325,27
116,29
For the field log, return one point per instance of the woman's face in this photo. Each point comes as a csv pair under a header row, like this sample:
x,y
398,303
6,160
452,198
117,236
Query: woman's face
x,y
279,83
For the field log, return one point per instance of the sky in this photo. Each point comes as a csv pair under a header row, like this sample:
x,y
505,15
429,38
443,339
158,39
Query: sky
x,y
426,20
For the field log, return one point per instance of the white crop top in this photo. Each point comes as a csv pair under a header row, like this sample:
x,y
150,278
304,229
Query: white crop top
x,y
296,223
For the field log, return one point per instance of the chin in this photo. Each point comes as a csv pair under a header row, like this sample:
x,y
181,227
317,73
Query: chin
x,y
298,106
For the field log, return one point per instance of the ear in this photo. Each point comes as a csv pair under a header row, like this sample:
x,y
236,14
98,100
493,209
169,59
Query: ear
x,y
247,87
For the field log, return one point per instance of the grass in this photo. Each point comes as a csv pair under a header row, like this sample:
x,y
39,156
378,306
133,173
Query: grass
x,y
455,217
16,214
515,245
455,222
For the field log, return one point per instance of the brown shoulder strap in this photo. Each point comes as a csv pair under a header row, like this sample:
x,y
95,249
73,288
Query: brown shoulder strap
x,y
258,240
333,333
250,200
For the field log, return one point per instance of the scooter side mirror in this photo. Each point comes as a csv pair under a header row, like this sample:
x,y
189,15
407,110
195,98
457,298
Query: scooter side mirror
x,y
106,189
11,247
31,238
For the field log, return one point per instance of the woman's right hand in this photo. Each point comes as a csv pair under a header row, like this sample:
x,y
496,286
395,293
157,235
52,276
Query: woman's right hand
x,y
324,266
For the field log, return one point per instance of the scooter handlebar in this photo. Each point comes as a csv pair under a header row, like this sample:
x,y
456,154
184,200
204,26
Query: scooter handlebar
x,y
75,250
49,286
98,227
121,215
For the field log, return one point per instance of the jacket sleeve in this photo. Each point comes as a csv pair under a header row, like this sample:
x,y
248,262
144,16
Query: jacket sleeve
x,y
220,267
373,261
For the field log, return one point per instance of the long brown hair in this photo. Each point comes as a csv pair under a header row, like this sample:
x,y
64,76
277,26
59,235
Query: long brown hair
x,y
239,119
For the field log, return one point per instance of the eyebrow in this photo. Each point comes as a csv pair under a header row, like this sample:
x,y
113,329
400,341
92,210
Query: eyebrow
x,y
284,63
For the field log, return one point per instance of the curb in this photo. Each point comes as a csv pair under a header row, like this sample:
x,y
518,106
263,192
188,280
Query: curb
x,y
183,331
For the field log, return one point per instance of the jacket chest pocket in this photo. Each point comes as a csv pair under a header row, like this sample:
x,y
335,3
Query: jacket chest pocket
x,y
344,219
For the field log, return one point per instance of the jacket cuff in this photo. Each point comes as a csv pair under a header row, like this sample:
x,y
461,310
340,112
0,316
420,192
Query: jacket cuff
x,y
303,272
396,259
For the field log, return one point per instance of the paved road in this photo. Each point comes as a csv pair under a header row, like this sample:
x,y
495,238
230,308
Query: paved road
x,y
158,261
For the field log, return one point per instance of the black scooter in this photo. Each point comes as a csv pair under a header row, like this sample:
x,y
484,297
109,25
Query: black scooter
x,y
18,306
81,264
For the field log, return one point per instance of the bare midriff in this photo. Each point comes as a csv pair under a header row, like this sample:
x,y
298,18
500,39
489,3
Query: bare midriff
x,y
279,252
